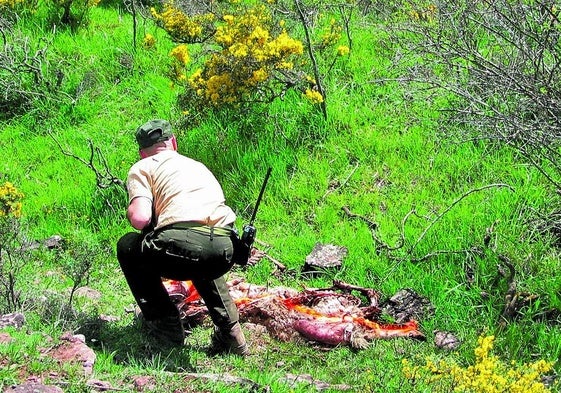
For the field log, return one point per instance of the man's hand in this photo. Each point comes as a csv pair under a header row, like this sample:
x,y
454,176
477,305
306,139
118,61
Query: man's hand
x,y
139,212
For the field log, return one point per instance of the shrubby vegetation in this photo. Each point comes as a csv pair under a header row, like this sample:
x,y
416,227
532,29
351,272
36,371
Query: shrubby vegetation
x,y
500,61
249,54
488,374
11,253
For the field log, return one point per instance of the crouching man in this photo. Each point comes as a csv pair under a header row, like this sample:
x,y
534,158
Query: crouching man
x,y
179,207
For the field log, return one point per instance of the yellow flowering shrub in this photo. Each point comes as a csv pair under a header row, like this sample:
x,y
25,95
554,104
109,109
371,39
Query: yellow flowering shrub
x,y
247,54
17,5
488,375
425,13
180,56
332,36
246,57
249,58
343,50
10,200
182,27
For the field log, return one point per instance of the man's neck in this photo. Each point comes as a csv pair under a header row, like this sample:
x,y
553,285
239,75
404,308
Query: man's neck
x,y
152,151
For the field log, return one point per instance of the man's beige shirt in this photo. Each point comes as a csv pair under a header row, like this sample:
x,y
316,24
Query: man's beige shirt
x,y
180,188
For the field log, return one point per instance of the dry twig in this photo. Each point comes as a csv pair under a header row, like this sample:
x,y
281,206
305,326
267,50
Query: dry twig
x,y
104,177
330,190
380,245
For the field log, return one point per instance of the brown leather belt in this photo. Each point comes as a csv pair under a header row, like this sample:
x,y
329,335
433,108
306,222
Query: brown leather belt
x,y
204,229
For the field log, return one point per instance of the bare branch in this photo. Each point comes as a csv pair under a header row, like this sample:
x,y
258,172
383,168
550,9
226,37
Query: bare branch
x,y
330,190
382,246
438,217
501,62
104,177
317,76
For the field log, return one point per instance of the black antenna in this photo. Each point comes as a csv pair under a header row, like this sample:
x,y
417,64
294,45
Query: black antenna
x,y
260,196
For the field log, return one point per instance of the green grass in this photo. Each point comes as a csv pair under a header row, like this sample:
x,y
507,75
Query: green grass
x,y
380,153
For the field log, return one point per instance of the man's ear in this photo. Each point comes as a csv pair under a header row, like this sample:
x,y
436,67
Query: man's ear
x,y
174,142
142,153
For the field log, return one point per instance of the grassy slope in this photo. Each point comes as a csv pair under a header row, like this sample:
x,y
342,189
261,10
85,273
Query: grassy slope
x,y
380,146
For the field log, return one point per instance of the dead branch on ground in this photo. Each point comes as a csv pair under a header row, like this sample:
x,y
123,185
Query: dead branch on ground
x,y
257,254
341,185
383,246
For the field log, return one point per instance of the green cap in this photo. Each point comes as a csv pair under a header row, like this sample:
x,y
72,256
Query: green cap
x,y
153,132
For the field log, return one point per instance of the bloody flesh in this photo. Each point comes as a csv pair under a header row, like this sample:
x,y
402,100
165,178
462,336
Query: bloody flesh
x,y
324,316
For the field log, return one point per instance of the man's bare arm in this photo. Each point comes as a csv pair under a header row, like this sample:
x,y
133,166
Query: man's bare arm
x,y
139,212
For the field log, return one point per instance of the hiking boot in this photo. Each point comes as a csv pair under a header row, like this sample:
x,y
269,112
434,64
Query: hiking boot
x,y
229,341
167,329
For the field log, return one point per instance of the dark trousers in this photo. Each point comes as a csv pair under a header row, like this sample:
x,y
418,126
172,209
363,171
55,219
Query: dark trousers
x,y
178,254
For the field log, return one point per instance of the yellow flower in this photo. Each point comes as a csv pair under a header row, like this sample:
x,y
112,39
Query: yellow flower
x,y
181,53
149,41
246,52
179,24
238,49
343,50
10,200
488,375
223,36
259,35
258,76
314,96
286,65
